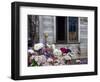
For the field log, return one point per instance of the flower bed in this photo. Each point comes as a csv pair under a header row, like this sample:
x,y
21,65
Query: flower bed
x,y
48,55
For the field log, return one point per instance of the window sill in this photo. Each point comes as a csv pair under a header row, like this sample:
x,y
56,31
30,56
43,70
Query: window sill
x,y
67,43
73,43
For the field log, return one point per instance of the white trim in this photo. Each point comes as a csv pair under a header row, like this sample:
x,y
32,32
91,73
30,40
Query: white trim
x,y
55,29
67,30
78,29
40,26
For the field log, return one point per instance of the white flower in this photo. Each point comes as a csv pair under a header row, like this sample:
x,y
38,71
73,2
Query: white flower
x,y
32,57
49,60
57,52
43,59
64,54
57,62
70,54
30,51
67,57
53,46
36,58
48,45
40,59
38,46
46,64
78,61
62,62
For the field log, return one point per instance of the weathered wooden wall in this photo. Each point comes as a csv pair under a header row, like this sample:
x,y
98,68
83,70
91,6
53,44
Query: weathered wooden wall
x,y
47,25
84,36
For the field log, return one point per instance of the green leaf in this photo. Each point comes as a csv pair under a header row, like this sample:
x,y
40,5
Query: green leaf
x,y
34,63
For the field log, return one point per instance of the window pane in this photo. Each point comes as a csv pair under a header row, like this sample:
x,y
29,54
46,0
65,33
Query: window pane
x,y
73,29
60,23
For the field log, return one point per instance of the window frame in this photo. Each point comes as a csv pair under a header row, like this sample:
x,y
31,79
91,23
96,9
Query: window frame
x,y
66,41
78,32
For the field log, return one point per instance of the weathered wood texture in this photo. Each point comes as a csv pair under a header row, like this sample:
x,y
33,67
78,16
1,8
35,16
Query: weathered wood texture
x,y
47,25
84,35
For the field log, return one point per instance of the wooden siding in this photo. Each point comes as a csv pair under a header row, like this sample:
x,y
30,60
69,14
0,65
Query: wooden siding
x,y
47,25
83,36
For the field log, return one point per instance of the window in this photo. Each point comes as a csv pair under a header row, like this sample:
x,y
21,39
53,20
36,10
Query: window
x,y
66,29
73,29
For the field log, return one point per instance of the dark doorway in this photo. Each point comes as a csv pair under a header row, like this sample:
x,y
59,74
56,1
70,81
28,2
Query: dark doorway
x,y
60,24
